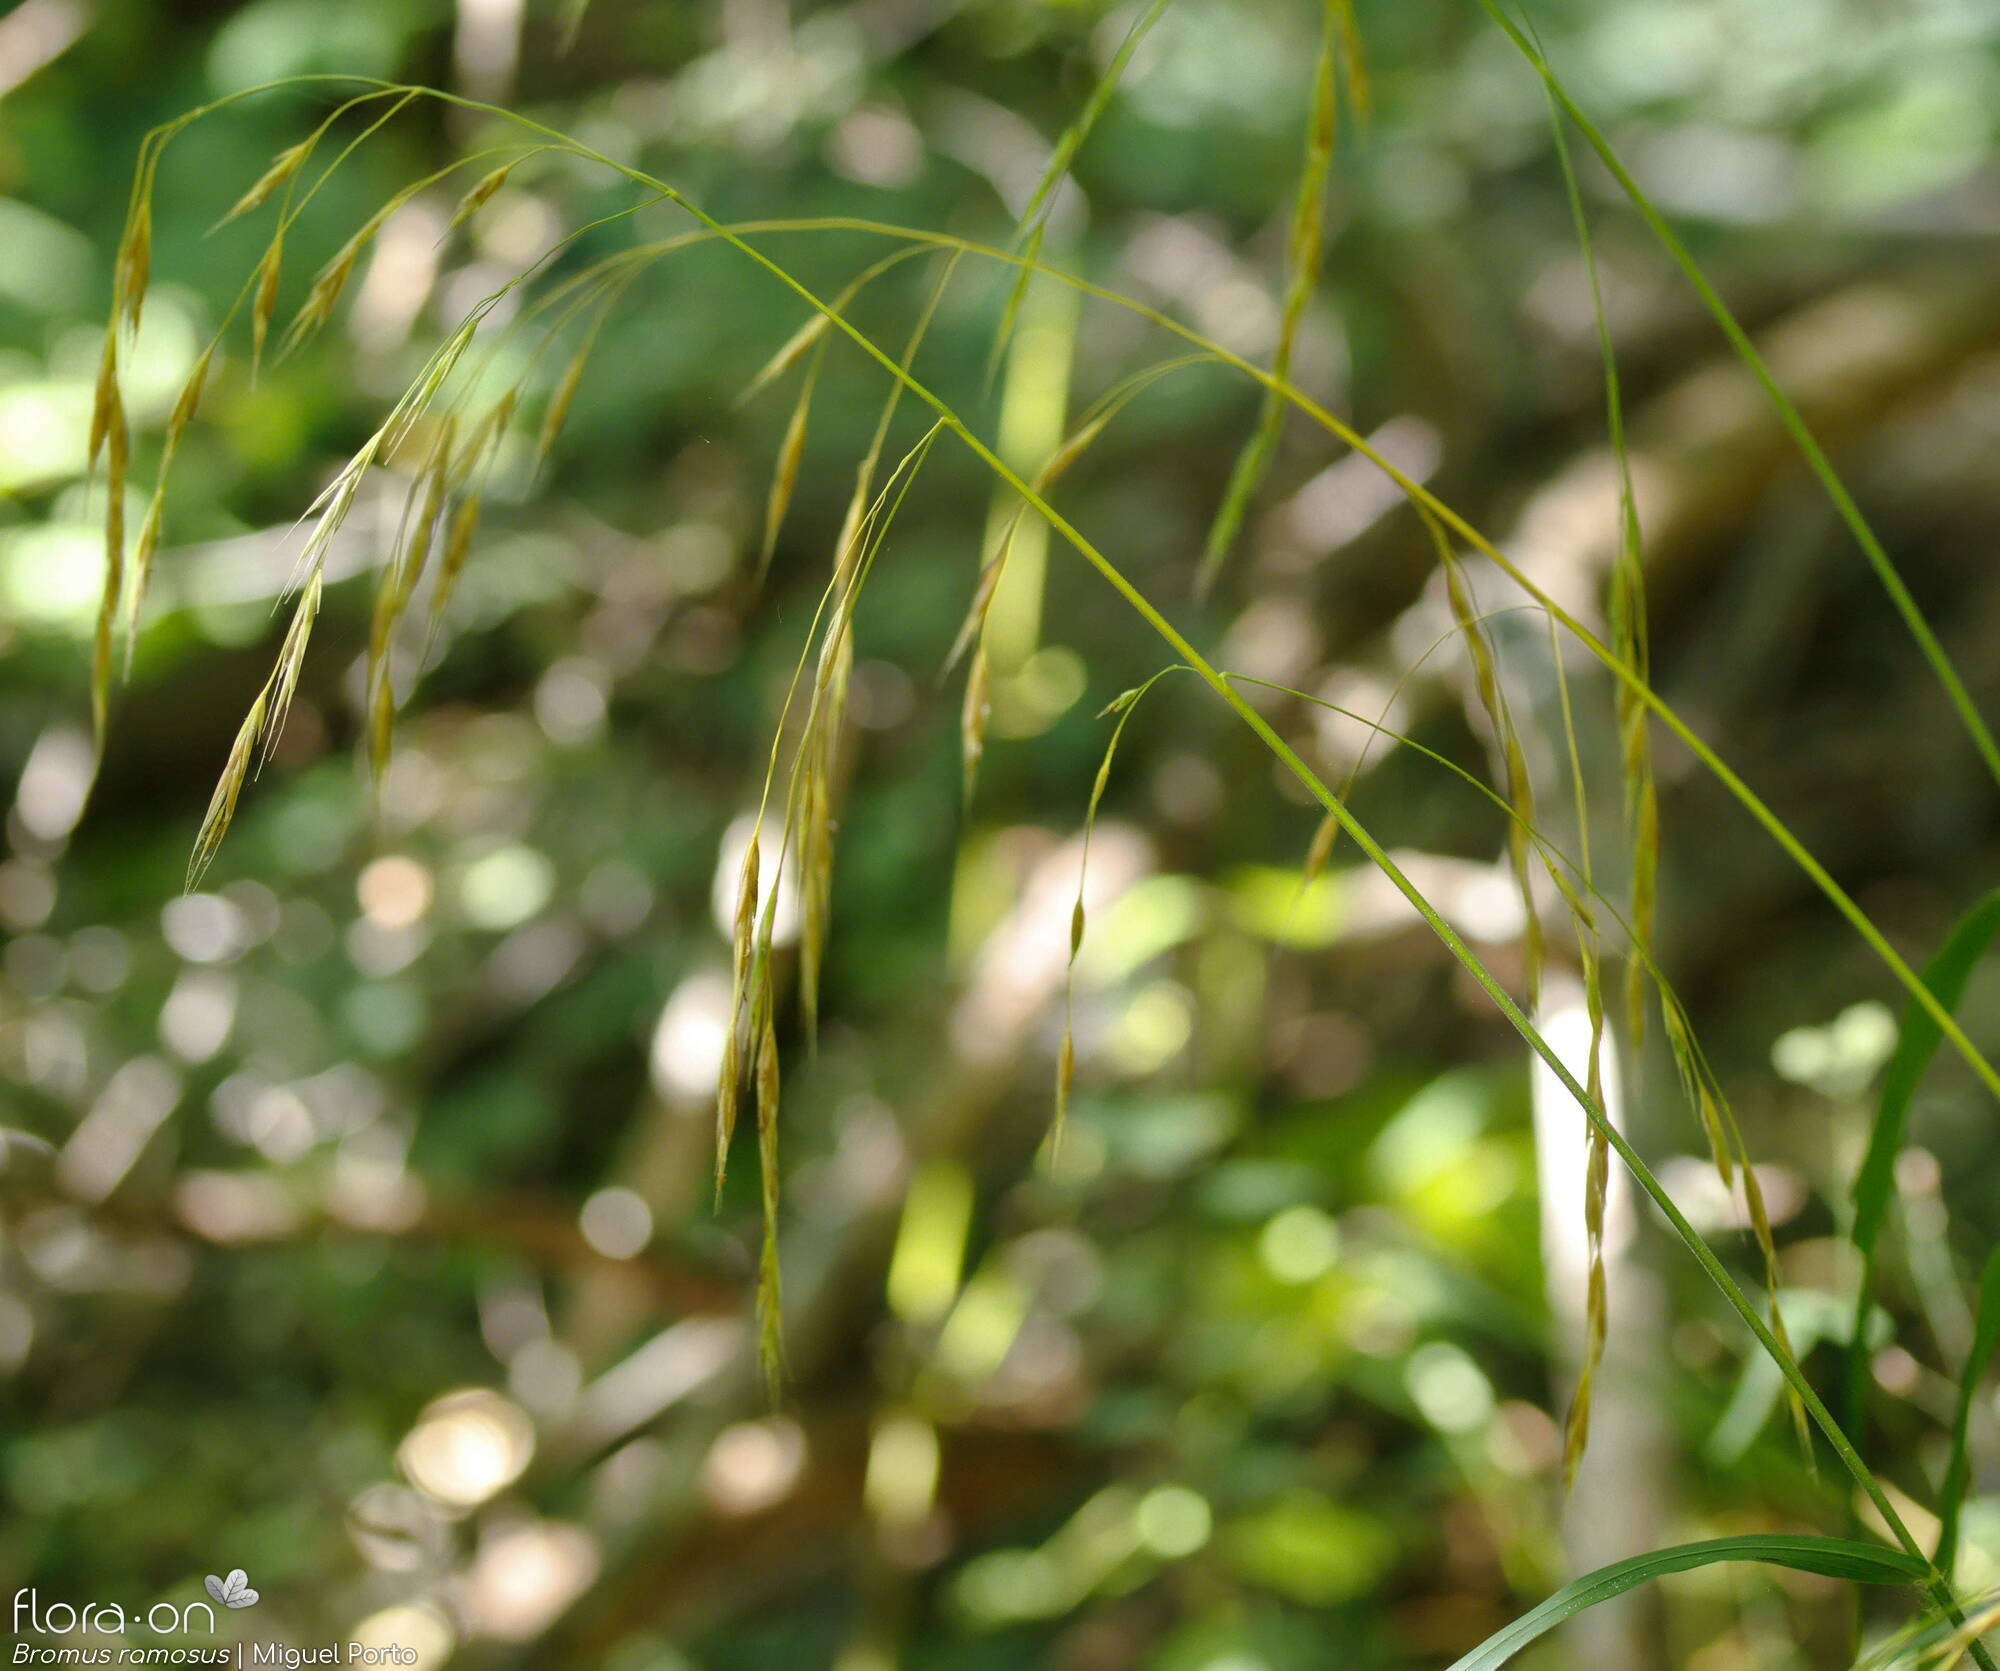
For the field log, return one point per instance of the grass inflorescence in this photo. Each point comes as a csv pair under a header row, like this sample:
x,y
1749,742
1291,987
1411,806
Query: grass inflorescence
x,y
451,428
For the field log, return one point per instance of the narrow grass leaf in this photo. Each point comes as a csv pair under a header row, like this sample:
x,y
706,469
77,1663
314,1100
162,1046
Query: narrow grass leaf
x,y
1958,1472
1034,214
1859,1563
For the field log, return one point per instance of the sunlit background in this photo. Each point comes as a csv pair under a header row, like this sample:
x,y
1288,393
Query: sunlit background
x,y
374,1251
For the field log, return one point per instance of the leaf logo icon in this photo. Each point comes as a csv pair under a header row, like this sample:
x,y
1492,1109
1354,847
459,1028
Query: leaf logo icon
x,y
233,1591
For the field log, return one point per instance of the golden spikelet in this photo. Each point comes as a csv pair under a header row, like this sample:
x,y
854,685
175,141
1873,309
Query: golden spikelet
x,y
816,864
972,721
142,568
770,1340
1597,1177
556,414
784,478
458,542
222,805
265,303
728,1086
1074,446
320,300
1123,706
816,840
188,401
105,402
1325,838
1520,791
291,659
794,350
117,451
1576,1429
1695,1086
1353,61
381,721
1065,1078
133,267
282,168
482,189
742,935
1644,818
982,596
399,582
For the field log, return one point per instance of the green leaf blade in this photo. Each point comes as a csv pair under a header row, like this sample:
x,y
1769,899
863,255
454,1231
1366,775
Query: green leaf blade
x,y
1861,1563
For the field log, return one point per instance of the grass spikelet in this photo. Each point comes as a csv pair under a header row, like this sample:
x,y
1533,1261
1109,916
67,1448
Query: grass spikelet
x,y
482,190
266,302
117,452
381,722
1493,702
556,413
318,306
1576,1427
1302,264
743,930
816,863
134,264
143,549
1353,60
188,401
283,167
770,1339
728,1089
784,478
458,543
816,838
972,718
222,805
1123,706
793,351
105,402
399,580
291,660
982,596
184,408
1695,1086
1597,1177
